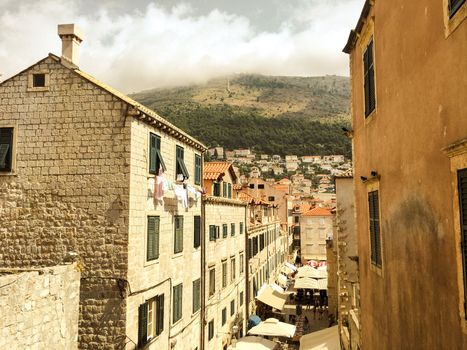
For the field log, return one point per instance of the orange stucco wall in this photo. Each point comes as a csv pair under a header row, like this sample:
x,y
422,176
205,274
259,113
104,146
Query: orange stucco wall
x,y
421,93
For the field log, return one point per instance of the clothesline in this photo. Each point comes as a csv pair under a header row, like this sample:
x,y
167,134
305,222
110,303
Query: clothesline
x,y
182,191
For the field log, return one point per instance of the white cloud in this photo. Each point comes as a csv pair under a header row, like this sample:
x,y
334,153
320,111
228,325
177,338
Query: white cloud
x,y
157,47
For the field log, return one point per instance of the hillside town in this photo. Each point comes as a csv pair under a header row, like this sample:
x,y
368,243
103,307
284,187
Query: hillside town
x,y
120,230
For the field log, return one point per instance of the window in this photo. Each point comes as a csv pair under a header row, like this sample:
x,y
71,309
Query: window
x,y
232,269
232,229
198,169
224,189
251,186
454,6
241,228
177,303
232,307
369,79
196,295
155,158
181,173
212,281
241,263
152,244
261,186
212,232
178,234
224,230
224,274
271,198
197,231
462,189
216,189
241,298
211,329
229,190
224,315
38,80
150,319
261,242
375,234
6,149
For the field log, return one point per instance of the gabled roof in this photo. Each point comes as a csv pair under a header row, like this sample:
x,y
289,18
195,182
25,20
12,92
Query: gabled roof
x,y
318,211
216,170
138,110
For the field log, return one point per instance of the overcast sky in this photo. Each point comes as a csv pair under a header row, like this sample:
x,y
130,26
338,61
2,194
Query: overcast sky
x,y
141,44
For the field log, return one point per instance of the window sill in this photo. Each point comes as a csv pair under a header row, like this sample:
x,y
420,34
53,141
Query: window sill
x,y
177,255
174,324
370,117
376,269
10,173
148,263
38,89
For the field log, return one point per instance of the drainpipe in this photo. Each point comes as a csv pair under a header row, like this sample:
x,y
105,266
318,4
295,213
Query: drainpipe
x,y
203,273
247,269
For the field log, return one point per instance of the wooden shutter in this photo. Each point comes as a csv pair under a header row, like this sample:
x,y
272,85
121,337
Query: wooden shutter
x,y
212,232
181,168
375,232
152,251
159,314
6,145
177,302
369,80
198,172
197,231
462,189
224,316
241,228
153,154
232,307
224,189
178,234
232,229
142,324
196,295
454,6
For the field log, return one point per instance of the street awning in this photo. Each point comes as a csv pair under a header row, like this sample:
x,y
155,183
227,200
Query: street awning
x,y
254,320
272,297
323,284
306,283
274,328
326,339
308,271
282,280
254,343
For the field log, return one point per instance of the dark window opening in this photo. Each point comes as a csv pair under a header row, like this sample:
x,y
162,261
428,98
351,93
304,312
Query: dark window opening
x,y
181,172
38,80
462,189
454,6
156,163
375,232
198,169
369,79
6,147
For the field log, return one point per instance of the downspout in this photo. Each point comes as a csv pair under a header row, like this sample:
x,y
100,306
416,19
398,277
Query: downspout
x,y
247,270
203,274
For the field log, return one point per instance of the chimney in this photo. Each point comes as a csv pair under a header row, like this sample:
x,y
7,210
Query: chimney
x,y
71,37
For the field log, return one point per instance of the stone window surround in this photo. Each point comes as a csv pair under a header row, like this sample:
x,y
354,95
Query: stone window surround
x,y
14,126
457,154
31,87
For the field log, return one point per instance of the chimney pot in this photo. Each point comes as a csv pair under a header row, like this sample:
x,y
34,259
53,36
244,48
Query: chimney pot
x,y
72,37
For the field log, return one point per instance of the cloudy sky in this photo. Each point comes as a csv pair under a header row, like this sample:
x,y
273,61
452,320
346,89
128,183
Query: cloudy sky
x,y
135,45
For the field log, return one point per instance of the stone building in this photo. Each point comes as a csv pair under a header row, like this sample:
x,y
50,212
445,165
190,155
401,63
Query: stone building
x,y
223,259
39,307
345,241
408,79
86,169
267,247
315,227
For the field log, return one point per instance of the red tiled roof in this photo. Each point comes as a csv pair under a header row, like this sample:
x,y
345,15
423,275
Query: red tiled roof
x,y
318,211
214,170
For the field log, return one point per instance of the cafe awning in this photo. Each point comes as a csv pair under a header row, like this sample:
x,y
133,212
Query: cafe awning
x,y
254,343
306,283
269,296
274,328
326,339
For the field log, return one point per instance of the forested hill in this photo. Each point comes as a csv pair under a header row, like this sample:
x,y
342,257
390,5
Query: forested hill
x,y
275,115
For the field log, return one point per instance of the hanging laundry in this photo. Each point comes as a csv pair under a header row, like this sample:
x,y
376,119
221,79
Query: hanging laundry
x,y
159,188
181,194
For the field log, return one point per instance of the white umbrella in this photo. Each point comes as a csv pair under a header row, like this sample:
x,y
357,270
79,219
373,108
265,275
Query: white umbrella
x,y
306,283
273,327
326,339
308,271
254,343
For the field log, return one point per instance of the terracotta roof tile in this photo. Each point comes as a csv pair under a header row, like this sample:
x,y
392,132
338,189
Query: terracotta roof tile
x,y
214,170
318,211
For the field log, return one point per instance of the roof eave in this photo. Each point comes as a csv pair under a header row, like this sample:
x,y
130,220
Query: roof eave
x,y
354,33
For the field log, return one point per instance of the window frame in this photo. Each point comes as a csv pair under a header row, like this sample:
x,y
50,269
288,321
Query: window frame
x,y
211,330
453,9
232,307
196,297
224,316
375,264
453,17
225,230
233,269
212,233
212,281
196,231
224,273
150,319
232,229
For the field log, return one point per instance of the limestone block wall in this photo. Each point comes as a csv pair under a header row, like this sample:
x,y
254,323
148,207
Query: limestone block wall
x,y
219,211
148,279
69,189
39,308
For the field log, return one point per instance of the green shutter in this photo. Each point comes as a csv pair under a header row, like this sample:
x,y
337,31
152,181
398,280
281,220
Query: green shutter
x,y
180,166
198,171
241,228
6,145
224,230
178,234
196,295
197,231
152,153
375,232
159,314
177,303
229,189
152,251
232,229
142,324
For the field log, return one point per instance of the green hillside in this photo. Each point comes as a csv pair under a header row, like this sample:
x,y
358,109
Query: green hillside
x,y
276,115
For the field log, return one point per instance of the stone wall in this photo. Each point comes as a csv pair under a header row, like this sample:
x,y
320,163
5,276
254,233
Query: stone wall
x,y
39,308
69,189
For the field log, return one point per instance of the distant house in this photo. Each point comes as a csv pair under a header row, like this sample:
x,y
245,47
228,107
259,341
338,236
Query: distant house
x,y
243,152
277,170
315,226
291,165
311,159
216,152
255,172
291,158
